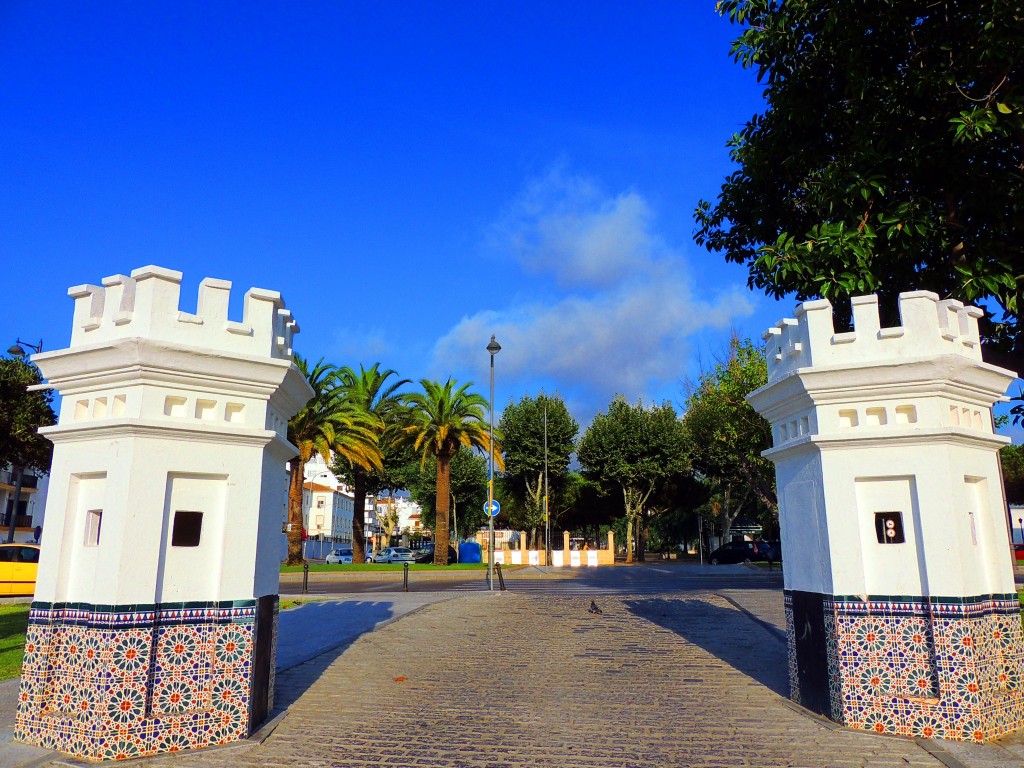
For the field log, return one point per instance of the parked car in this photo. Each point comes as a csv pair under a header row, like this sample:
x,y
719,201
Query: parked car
x,y
341,556
741,552
426,554
1018,552
18,566
395,555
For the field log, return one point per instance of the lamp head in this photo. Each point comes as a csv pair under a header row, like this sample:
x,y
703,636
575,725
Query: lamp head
x,y
494,347
17,351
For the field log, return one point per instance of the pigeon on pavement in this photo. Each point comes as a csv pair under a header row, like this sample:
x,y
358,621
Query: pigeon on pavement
x,y
593,608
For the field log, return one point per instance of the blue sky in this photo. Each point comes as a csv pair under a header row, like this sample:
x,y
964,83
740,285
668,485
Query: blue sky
x,y
413,177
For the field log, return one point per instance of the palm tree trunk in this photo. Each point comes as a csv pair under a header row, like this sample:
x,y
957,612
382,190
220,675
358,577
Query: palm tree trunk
x,y
441,504
295,512
358,516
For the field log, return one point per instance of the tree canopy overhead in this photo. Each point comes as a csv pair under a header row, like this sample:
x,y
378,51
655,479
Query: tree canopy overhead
x,y
890,156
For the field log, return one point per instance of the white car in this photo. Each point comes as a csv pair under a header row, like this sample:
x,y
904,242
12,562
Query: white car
x,y
395,555
341,556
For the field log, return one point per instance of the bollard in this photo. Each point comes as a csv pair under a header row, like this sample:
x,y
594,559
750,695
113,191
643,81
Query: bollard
x,y
305,578
406,575
501,579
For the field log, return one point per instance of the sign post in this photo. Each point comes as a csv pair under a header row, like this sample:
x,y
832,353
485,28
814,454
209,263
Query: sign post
x,y
491,509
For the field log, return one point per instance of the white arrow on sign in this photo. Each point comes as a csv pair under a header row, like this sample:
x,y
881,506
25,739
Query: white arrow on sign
x,y
494,510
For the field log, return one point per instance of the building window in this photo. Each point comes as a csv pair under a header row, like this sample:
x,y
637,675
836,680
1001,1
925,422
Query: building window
x,y
188,527
93,523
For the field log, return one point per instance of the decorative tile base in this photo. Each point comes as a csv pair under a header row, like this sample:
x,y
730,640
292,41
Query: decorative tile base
x,y
914,666
111,682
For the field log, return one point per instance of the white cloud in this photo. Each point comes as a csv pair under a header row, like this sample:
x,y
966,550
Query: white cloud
x,y
564,226
625,327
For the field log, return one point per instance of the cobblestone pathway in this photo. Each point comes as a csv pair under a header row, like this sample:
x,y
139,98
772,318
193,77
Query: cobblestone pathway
x,y
513,680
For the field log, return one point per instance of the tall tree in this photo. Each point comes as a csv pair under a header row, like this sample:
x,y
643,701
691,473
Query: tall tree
x,y
726,435
442,417
522,427
467,489
1012,458
22,413
631,449
370,391
328,423
890,156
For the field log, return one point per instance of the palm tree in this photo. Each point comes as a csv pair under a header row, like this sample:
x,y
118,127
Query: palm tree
x,y
329,422
369,391
441,419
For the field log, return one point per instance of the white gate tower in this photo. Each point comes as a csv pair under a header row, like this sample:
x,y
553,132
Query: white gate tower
x,y
901,609
155,614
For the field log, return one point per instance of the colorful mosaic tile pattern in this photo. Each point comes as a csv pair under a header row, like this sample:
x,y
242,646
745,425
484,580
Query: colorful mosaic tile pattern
x,y
112,682
794,675
943,667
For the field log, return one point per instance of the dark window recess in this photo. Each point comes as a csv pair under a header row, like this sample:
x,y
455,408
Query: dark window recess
x,y
187,528
889,527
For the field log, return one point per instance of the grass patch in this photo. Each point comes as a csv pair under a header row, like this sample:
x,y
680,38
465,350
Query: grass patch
x,y
370,567
296,602
13,622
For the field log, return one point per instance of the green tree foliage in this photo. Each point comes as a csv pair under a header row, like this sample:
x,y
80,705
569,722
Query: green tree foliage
x,y
631,450
1012,457
467,488
726,435
890,156
583,509
329,423
522,436
22,413
675,504
378,399
441,418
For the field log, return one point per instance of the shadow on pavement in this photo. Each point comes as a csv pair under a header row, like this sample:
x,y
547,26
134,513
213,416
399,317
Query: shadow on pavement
x,y
726,633
314,634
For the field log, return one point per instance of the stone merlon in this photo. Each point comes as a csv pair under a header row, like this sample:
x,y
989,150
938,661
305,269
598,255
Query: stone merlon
x,y
929,327
145,304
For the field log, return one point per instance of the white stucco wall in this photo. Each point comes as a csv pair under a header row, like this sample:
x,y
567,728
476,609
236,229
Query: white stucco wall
x,y
887,420
162,412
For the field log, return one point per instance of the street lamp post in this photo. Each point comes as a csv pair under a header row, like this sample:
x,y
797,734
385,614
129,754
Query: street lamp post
x,y
494,348
17,351
547,511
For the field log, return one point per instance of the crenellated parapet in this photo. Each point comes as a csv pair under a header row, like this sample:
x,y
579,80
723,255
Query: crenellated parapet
x,y
929,327
145,304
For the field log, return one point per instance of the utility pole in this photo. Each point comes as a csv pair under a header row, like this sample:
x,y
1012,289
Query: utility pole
x,y
547,511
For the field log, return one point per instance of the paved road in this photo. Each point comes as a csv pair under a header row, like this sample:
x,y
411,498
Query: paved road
x,y
511,679
647,579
